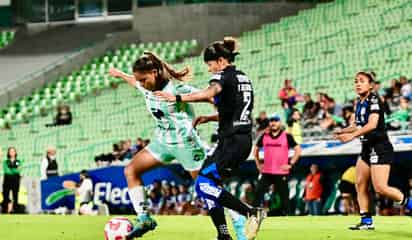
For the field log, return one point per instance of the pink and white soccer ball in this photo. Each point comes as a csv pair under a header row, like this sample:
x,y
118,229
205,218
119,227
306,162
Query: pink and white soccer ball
x,y
117,228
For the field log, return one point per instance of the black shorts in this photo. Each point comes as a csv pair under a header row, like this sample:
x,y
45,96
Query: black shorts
x,y
229,154
347,187
377,153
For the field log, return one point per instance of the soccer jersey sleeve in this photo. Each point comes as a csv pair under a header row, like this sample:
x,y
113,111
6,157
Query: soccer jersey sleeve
x,y
374,104
291,141
217,78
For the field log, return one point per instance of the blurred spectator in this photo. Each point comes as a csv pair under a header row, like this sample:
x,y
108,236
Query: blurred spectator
x,y
288,96
295,126
276,166
104,160
125,152
138,146
85,193
313,191
146,142
400,118
262,123
393,93
49,166
183,201
309,107
385,206
170,200
63,117
12,167
348,191
155,202
406,89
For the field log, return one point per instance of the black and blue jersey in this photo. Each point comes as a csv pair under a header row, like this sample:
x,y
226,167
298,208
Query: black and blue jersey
x,y
372,104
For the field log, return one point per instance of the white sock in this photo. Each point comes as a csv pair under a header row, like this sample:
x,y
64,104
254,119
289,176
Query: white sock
x,y
233,215
138,199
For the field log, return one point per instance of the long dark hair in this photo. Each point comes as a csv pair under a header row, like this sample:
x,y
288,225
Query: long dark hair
x,y
8,152
150,61
227,49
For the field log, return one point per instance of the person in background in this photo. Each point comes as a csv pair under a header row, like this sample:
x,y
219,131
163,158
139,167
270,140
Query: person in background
x,y
400,118
155,202
183,201
406,89
85,192
12,167
138,146
63,117
295,126
276,166
49,166
288,96
313,191
262,122
248,193
348,191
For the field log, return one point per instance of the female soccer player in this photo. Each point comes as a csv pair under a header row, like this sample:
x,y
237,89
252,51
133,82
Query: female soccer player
x,y
233,96
377,151
175,137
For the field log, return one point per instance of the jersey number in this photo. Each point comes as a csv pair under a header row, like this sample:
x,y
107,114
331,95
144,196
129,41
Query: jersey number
x,y
247,98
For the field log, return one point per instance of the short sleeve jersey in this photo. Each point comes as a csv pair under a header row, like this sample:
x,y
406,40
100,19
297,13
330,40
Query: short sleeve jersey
x,y
173,120
235,102
372,104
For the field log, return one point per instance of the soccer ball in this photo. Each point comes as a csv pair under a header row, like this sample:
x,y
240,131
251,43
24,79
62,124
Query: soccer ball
x,y
117,228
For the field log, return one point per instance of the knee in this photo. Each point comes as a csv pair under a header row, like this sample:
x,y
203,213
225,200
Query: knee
x,y
380,188
361,184
130,171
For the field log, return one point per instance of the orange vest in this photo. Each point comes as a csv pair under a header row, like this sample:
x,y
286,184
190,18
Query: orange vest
x,y
313,188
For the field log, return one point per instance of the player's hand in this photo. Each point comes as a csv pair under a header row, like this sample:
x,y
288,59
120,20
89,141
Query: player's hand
x,y
286,167
346,137
166,96
200,120
115,72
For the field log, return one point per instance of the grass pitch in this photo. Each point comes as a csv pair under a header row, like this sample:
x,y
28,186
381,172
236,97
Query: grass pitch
x,y
43,227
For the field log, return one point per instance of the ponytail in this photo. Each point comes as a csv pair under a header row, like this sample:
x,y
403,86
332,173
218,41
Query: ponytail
x,y
150,61
227,49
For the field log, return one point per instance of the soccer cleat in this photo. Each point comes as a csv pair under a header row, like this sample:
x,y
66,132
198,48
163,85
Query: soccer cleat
x,y
144,224
239,227
362,226
253,223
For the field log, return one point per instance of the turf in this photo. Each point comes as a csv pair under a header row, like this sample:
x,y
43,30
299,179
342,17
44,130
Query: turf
x,y
44,227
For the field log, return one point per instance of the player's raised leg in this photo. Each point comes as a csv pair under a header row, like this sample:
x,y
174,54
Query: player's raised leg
x,y
142,162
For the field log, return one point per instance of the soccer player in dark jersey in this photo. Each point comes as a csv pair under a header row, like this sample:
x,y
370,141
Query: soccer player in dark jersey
x,y
377,151
232,92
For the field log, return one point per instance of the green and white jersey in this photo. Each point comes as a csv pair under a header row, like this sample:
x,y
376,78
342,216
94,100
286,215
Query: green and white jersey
x,y
173,120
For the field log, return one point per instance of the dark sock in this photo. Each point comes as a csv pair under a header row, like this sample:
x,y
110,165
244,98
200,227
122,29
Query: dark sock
x,y
218,218
366,218
228,200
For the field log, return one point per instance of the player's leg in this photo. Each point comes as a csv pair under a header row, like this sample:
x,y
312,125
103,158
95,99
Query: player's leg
x,y
141,162
362,189
262,186
282,187
380,178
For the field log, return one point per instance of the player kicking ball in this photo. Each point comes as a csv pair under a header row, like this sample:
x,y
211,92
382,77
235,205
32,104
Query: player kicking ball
x,y
233,96
175,138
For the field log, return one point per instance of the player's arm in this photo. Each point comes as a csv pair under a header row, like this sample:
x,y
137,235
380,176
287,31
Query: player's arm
x,y
204,95
296,156
205,119
370,126
130,79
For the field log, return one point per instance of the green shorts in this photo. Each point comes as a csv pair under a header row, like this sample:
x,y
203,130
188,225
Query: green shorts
x,y
190,156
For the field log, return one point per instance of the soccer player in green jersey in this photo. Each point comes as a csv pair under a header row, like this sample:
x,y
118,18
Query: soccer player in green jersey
x,y
175,137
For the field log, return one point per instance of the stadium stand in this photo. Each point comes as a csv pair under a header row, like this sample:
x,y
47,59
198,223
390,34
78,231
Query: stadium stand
x,y
321,49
